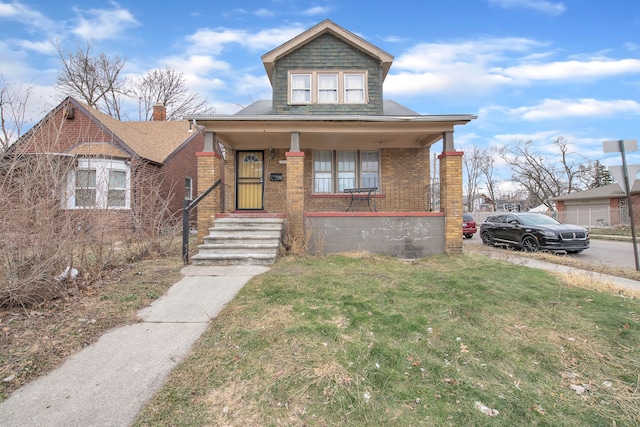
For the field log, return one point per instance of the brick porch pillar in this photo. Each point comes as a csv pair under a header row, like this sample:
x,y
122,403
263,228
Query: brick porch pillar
x,y
451,194
208,173
295,201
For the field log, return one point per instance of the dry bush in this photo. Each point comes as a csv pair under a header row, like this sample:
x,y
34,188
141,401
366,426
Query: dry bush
x,y
40,240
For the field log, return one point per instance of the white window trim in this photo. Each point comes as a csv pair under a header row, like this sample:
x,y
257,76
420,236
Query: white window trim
x,y
102,168
334,170
315,87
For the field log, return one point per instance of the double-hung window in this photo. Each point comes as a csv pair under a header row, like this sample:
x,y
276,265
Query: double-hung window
x,y
300,88
85,188
334,171
354,88
99,183
327,87
117,192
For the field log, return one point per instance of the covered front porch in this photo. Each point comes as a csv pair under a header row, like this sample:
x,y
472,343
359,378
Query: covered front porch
x,y
306,168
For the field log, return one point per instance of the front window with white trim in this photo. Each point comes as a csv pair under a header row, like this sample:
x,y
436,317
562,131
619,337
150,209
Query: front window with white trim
x,y
334,171
99,183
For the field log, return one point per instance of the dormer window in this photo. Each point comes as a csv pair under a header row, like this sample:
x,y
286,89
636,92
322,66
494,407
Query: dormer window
x,y
327,87
354,88
300,88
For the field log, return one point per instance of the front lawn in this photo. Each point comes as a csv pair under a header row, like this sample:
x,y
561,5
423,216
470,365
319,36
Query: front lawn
x,y
366,340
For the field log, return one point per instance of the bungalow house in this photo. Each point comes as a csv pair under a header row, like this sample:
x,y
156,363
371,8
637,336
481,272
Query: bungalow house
x,y
600,206
345,168
137,174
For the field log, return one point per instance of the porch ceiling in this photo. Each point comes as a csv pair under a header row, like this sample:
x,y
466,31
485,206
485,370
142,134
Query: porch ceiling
x,y
332,133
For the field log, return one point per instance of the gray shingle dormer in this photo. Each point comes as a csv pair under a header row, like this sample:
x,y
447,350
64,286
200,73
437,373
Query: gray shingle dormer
x,y
327,56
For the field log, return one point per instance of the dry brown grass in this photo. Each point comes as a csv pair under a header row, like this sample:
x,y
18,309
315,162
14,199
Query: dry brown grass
x,y
37,340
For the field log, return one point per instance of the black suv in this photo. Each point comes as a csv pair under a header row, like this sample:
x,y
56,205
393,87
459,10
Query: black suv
x,y
532,232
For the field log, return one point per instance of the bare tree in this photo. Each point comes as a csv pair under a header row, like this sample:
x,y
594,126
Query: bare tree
x,y
95,79
472,160
168,87
487,167
13,107
543,176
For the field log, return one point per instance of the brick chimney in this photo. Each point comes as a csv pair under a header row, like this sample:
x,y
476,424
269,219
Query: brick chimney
x,y
159,112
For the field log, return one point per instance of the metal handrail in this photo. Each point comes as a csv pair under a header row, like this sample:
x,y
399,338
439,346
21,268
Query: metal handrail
x,y
186,208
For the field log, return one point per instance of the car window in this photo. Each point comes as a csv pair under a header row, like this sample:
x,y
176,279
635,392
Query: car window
x,y
511,219
467,217
538,219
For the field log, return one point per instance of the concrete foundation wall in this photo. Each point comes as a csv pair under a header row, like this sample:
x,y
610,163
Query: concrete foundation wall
x,y
401,236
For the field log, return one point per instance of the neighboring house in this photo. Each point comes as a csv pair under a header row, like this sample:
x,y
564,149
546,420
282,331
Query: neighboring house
x,y
139,173
327,131
600,206
483,203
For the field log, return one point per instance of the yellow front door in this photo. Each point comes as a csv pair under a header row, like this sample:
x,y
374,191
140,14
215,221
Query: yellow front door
x,y
250,180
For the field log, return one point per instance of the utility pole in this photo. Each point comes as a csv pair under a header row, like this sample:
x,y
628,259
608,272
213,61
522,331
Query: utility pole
x,y
622,146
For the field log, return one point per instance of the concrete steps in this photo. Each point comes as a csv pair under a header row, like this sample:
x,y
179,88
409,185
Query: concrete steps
x,y
241,241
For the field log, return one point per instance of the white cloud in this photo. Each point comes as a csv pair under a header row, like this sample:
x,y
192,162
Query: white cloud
x,y
23,14
103,24
476,67
548,7
254,86
570,70
551,109
394,39
317,10
455,68
264,13
45,47
213,41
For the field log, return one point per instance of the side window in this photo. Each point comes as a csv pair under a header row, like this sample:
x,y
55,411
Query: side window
x,y
188,188
85,188
117,192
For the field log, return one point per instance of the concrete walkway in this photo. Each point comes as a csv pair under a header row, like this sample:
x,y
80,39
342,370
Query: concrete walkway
x,y
107,383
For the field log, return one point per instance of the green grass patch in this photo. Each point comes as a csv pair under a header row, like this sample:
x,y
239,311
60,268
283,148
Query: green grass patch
x,y
370,340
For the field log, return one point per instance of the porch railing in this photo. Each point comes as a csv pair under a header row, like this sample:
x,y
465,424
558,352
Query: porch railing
x,y
186,208
391,195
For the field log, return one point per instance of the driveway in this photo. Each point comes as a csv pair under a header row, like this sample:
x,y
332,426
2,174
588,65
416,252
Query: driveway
x,y
604,252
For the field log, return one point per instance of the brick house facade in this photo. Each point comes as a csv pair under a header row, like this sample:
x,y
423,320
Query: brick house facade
x,y
134,173
349,169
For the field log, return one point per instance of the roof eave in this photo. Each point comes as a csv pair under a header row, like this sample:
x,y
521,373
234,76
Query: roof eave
x,y
463,118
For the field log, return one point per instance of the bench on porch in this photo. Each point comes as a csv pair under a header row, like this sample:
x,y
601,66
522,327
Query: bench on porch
x,y
361,194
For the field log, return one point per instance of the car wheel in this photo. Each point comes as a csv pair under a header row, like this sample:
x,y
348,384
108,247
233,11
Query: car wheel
x,y
575,252
487,240
468,236
529,244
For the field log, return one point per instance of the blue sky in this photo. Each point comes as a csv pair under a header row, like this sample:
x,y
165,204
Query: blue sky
x,y
530,69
